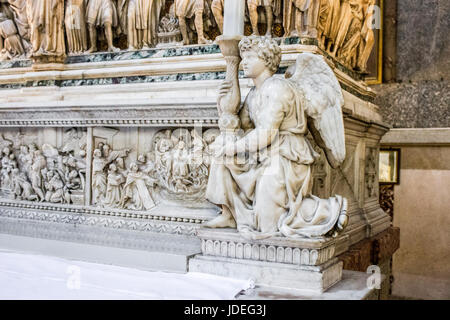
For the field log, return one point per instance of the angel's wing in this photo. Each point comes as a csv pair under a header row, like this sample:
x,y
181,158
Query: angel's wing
x,y
324,101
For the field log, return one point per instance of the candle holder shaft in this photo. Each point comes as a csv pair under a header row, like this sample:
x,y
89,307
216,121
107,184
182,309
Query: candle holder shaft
x,y
228,105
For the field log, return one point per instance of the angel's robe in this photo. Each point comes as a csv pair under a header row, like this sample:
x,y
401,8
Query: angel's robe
x,y
272,195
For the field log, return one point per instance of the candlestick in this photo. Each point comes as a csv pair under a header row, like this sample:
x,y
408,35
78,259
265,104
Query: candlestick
x,y
233,31
233,23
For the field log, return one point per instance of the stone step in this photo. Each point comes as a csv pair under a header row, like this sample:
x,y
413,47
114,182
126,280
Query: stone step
x,y
127,248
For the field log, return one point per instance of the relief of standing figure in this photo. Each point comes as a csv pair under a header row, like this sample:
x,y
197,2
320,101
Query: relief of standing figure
x,y
101,13
140,20
272,8
328,16
300,18
98,177
187,9
113,188
39,163
367,36
76,30
46,18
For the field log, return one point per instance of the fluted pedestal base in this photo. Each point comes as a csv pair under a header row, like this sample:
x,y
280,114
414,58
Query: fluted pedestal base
x,y
307,264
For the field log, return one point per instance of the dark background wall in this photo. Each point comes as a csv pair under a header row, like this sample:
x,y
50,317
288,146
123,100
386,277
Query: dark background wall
x,y
416,64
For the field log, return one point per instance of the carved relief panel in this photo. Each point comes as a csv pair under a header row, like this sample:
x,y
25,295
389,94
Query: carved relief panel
x,y
43,165
139,168
111,168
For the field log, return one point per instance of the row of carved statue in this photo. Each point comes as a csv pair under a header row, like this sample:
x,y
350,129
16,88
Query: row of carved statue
x,y
36,27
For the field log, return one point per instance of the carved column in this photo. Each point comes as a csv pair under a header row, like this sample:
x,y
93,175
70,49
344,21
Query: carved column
x,y
89,149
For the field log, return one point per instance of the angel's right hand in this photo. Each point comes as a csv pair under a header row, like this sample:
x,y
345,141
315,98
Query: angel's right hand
x,y
225,95
225,88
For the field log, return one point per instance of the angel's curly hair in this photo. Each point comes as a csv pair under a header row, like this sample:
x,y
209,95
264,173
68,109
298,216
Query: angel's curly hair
x,y
267,49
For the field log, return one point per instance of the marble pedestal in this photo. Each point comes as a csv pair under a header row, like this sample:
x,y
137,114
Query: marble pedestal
x,y
304,264
353,286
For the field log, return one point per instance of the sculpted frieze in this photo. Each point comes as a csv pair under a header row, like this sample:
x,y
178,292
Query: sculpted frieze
x,y
44,173
174,170
41,28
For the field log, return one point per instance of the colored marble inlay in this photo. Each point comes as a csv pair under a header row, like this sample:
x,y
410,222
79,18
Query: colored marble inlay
x,y
10,64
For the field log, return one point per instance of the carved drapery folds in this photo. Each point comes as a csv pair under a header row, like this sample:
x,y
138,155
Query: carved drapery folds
x,y
345,30
300,17
45,18
175,169
10,41
75,23
44,173
42,28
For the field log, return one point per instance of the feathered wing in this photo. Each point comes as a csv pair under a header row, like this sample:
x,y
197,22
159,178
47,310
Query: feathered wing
x,y
324,100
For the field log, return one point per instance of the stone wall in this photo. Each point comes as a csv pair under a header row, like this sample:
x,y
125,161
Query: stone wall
x,y
422,104
421,264
419,95
416,94
421,202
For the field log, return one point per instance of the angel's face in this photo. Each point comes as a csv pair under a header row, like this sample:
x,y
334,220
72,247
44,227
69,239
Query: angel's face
x,y
253,65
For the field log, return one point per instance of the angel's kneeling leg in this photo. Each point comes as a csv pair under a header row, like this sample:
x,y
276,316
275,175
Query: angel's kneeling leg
x,y
270,197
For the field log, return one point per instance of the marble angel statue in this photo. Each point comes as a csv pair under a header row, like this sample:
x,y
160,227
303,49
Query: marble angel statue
x,y
262,177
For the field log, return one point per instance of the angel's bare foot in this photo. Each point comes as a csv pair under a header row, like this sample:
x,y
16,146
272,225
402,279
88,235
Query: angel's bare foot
x,y
222,221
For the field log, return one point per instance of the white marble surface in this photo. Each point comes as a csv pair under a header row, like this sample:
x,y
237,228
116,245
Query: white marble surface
x,y
25,276
313,279
353,286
